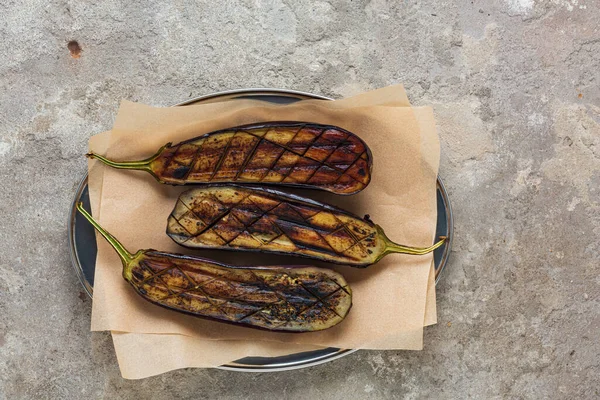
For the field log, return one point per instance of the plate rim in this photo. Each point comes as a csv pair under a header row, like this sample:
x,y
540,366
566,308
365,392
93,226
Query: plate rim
x,y
234,366
71,227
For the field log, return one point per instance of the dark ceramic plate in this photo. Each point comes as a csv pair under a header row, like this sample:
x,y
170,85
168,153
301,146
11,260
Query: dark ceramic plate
x,y
83,240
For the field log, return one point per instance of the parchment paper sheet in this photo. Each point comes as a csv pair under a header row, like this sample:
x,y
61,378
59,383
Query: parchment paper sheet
x,y
401,197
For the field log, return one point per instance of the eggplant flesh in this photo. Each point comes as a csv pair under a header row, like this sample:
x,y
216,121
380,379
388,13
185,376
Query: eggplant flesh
x,y
296,299
291,298
257,219
299,154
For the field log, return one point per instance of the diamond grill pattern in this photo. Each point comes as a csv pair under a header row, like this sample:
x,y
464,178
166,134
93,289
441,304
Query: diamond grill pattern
x,y
254,220
268,298
307,154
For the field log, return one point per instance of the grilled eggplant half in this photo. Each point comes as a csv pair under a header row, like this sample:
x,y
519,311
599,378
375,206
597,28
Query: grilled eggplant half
x,y
296,299
285,153
242,218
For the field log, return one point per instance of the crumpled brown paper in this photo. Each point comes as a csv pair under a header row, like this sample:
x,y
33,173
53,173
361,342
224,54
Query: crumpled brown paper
x,y
389,298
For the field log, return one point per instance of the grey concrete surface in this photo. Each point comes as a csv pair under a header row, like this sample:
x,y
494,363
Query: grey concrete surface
x,y
515,87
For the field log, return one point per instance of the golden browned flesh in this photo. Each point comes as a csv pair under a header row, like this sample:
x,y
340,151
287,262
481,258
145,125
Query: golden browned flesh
x,y
283,153
242,218
295,299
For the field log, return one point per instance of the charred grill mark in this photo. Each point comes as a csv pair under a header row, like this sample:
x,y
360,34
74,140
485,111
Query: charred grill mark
x,y
179,223
180,162
301,126
153,274
170,157
351,165
289,171
213,223
353,236
157,277
190,210
312,174
265,212
230,230
314,140
344,288
263,284
251,314
290,228
276,159
359,243
332,307
289,219
237,155
197,286
266,152
339,145
249,157
223,155
196,155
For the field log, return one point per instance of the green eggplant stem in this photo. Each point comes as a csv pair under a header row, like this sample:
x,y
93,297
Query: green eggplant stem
x,y
391,247
138,165
126,257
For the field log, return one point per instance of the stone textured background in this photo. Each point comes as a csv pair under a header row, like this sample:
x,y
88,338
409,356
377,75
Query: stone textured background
x,y
515,87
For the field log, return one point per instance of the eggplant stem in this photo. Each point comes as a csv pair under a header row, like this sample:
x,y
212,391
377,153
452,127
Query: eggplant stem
x,y
137,165
126,256
391,247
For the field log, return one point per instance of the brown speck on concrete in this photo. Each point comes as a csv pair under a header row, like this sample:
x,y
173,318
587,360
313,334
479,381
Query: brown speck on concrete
x,y
580,95
74,48
82,296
